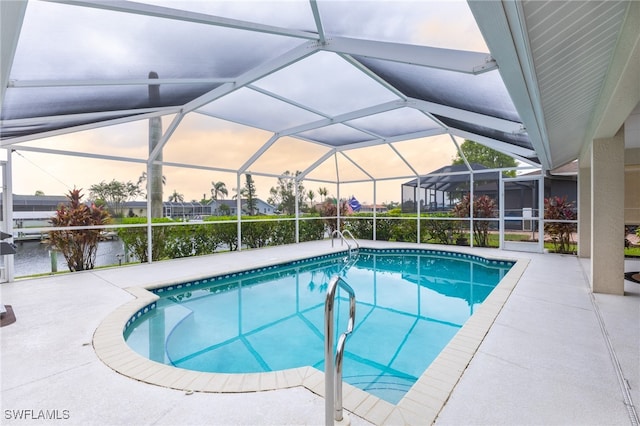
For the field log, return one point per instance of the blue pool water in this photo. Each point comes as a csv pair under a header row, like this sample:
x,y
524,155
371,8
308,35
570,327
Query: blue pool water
x,y
410,303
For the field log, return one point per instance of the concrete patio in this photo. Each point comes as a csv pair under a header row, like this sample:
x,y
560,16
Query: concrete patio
x,y
556,354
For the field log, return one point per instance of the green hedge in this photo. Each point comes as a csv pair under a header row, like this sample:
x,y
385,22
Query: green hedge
x,y
403,227
195,239
135,239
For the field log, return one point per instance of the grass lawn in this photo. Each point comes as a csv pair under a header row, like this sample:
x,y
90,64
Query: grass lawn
x,y
494,241
632,251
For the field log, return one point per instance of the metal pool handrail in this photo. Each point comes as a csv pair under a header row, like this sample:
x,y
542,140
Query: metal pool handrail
x,y
333,370
341,234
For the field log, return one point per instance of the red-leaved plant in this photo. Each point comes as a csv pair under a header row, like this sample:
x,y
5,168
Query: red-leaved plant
x,y
558,208
483,206
79,247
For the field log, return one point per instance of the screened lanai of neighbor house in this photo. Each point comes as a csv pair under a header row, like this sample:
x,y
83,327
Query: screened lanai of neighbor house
x,y
342,93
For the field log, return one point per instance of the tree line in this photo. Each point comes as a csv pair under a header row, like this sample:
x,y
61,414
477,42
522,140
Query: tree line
x,y
114,194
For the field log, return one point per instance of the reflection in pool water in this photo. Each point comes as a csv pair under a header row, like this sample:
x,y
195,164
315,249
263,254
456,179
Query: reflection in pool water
x,y
409,305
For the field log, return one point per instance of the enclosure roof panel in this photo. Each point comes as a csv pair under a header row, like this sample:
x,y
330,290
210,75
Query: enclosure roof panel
x,y
484,93
341,74
294,15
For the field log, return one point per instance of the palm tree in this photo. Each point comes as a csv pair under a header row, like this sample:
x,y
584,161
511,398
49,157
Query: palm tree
x,y
176,197
218,188
143,178
323,192
311,195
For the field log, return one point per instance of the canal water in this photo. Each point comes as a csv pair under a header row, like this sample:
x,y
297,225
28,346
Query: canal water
x,y
32,257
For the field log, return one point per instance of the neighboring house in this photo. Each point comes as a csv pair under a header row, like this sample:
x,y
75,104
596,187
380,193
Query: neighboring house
x,y
262,208
440,192
37,210
369,208
135,208
34,210
185,210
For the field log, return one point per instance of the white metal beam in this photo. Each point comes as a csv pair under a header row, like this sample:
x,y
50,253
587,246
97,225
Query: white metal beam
x,y
273,139
116,82
375,77
358,166
197,167
432,57
464,157
184,15
136,115
11,17
34,121
286,100
503,147
504,30
79,154
374,142
165,138
399,138
319,161
352,115
318,21
503,125
404,160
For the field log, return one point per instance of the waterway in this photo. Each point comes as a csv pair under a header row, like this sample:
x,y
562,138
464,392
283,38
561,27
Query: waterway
x,y
33,257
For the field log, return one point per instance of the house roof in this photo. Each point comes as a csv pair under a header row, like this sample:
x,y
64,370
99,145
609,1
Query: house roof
x,y
449,178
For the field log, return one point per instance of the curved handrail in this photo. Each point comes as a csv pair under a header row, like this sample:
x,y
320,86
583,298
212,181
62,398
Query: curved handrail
x,y
333,369
341,234
347,232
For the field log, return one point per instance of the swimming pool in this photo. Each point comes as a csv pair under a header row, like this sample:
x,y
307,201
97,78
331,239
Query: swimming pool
x,y
410,303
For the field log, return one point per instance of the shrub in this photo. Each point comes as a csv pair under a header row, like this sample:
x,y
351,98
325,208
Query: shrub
x,y
360,228
135,239
257,234
284,232
79,248
226,231
405,230
310,229
384,225
190,240
442,231
558,208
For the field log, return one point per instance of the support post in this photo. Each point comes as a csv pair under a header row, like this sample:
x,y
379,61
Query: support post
x,y
375,210
7,213
238,213
607,214
584,205
297,210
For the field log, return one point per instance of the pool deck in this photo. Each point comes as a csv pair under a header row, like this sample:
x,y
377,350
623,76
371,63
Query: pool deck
x,y
548,352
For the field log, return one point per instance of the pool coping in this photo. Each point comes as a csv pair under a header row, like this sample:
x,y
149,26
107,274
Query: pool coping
x,y
420,405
